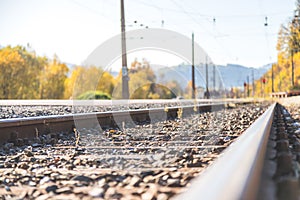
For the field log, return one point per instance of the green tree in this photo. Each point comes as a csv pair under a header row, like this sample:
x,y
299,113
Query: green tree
x,y
153,91
94,95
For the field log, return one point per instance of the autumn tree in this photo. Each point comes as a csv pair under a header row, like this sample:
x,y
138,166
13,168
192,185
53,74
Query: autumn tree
x,y
288,47
106,83
90,78
140,76
188,90
19,73
52,79
82,79
175,87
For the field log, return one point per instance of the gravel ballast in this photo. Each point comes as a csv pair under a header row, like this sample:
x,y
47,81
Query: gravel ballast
x,y
144,161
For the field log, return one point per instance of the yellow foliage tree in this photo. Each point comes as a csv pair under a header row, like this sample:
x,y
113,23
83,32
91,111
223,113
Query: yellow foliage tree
x,y
19,73
139,76
52,79
288,60
106,83
90,78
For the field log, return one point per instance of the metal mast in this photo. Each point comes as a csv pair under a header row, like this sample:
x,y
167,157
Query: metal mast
x,y
125,89
193,70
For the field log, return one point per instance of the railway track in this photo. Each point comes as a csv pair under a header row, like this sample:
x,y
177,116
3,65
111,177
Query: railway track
x,y
38,108
121,159
262,164
19,128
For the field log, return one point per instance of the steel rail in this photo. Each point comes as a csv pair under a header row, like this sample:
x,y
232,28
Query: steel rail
x,y
236,173
115,102
12,129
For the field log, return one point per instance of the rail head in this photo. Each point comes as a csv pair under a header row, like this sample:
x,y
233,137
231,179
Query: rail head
x,y
56,102
236,174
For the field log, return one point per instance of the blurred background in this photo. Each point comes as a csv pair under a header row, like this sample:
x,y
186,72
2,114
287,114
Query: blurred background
x,y
253,46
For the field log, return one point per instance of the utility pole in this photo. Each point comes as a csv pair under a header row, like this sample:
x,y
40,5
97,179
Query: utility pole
x,y
294,23
206,72
253,85
193,70
273,78
293,67
214,78
125,79
261,88
248,89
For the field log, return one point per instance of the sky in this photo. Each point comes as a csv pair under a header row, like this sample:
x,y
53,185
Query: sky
x,y
230,31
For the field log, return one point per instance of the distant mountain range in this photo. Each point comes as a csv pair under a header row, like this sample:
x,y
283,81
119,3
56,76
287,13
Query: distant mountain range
x,y
237,75
219,76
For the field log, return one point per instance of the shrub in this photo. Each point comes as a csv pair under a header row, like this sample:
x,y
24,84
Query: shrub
x,y
93,95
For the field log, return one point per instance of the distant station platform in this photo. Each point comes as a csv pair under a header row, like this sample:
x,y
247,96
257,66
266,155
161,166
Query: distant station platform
x,y
285,94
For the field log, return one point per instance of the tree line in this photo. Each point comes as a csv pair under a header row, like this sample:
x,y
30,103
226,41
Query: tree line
x,y
286,72
25,75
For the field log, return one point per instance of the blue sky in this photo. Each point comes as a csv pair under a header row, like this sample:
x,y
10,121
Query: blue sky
x,y
72,29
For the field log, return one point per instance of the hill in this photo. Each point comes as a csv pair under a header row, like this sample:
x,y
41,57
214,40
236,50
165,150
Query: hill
x,y
220,77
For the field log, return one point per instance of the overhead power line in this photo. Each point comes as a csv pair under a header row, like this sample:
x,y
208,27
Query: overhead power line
x,y
200,14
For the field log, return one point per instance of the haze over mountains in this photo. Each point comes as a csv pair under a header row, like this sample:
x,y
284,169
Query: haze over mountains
x,y
231,75
219,77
